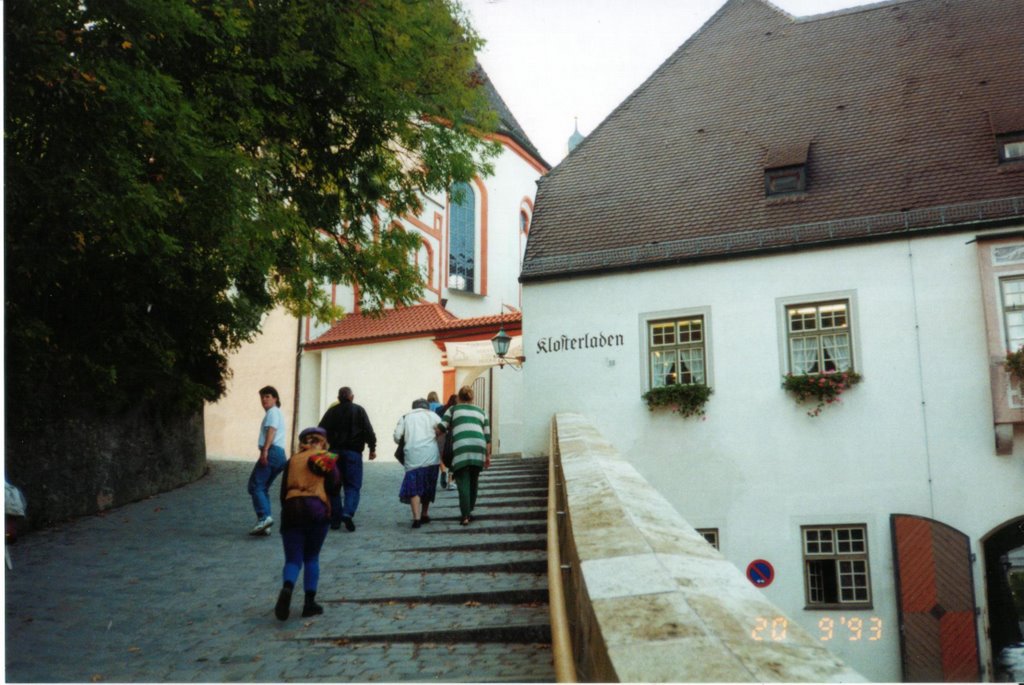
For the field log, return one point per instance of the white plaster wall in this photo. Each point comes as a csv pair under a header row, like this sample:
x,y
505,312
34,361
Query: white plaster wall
x,y
310,379
385,378
914,437
508,409
232,423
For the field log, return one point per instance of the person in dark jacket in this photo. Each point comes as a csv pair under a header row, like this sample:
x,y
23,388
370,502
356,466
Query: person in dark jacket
x,y
305,515
348,432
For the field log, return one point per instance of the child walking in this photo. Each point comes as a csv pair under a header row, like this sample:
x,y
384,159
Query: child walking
x,y
305,517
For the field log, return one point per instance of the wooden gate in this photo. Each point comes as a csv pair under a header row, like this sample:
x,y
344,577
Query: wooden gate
x,y
938,634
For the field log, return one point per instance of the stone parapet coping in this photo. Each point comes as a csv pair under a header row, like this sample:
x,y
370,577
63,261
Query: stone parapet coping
x,y
667,606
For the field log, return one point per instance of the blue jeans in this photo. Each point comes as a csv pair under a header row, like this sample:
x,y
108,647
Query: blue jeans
x,y
261,478
302,547
351,466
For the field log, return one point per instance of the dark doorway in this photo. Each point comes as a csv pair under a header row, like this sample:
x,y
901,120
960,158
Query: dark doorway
x,y
1004,588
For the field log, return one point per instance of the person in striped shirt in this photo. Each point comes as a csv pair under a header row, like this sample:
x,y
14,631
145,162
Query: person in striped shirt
x,y
471,445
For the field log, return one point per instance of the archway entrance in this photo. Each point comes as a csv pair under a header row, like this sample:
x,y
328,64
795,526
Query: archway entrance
x,y
1004,589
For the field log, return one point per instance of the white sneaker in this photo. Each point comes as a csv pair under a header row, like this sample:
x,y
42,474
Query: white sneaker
x,y
262,526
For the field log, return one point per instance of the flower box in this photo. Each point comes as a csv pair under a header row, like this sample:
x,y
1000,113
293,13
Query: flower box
x,y
1014,364
822,388
687,400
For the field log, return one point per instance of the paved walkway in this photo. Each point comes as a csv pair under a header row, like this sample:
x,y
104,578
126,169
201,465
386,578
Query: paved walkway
x,y
172,589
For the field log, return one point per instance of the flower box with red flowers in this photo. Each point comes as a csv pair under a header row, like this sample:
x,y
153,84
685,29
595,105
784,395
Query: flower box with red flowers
x,y
822,388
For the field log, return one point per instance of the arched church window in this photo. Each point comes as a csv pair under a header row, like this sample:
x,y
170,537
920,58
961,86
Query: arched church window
x,y
462,238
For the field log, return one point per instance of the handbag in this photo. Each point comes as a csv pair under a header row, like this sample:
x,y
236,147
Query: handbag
x,y
400,451
447,452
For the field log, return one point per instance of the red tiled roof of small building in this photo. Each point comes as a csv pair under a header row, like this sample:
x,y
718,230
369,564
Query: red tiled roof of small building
x,y
897,100
423,320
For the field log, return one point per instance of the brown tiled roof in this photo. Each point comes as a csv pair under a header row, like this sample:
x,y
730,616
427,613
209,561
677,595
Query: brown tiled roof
x,y
897,100
423,320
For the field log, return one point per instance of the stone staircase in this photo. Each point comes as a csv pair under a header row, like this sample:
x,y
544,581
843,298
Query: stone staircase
x,y
448,602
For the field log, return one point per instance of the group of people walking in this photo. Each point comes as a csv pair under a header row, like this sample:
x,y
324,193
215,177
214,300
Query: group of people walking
x,y
423,434
320,484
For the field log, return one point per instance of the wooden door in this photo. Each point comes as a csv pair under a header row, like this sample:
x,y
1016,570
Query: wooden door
x,y
938,630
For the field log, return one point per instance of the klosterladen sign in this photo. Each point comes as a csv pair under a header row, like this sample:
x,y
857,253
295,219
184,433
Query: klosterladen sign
x,y
587,341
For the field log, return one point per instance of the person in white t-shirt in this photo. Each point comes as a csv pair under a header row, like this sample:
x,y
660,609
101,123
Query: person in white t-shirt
x,y
271,461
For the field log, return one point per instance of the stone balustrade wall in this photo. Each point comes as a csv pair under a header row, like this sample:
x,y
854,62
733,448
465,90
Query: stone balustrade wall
x,y
649,600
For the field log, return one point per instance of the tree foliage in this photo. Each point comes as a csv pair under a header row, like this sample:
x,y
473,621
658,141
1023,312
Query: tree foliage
x,y
175,168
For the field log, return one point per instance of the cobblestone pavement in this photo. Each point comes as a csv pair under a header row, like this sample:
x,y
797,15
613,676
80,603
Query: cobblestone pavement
x,y
173,589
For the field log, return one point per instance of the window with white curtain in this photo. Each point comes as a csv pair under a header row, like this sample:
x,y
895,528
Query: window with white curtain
x,y
677,351
819,337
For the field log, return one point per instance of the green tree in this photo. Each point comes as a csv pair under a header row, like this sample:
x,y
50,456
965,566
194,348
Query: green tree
x,y
175,168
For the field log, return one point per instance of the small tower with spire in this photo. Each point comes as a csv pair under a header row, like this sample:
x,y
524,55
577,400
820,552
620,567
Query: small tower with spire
x,y
576,138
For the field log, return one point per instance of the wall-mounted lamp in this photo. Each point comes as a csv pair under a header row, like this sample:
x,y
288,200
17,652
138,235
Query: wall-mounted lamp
x,y
500,342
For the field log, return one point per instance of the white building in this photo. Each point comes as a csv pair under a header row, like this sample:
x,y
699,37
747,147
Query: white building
x,y
795,196
470,258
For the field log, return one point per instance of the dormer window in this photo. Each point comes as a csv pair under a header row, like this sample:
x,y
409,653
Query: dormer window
x,y
1011,147
790,179
1007,121
785,170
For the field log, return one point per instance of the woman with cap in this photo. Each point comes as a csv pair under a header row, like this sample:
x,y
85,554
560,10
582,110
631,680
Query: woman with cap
x,y
422,460
305,517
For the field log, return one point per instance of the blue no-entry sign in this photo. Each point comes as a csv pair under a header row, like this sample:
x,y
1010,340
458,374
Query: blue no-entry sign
x,y
760,573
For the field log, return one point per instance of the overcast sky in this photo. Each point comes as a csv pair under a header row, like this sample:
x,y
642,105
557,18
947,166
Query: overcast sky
x,y
556,60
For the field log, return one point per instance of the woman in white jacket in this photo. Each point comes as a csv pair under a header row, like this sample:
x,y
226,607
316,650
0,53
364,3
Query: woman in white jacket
x,y
422,460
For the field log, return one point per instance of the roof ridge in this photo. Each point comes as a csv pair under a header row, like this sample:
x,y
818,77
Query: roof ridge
x,y
849,10
674,56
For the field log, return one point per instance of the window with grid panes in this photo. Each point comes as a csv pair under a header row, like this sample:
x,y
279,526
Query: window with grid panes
x,y
819,337
677,351
836,566
1012,292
